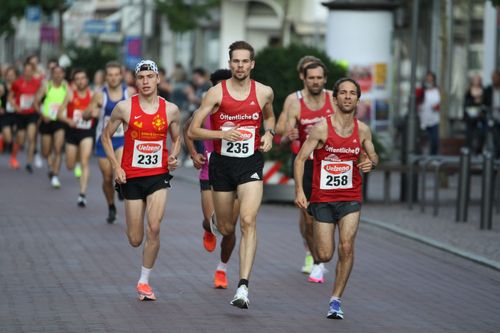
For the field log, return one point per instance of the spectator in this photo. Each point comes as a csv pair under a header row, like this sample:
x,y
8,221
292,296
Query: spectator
x,y
164,87
492,104
473,115
199,86
98,81
429,111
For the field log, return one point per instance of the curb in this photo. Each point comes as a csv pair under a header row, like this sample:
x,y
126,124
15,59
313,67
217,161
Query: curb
x,y
434,243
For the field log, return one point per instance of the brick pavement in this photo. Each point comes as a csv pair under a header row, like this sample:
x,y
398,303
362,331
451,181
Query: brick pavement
x,y
63,269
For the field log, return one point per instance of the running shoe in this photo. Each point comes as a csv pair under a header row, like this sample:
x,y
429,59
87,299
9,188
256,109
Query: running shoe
x,y
209,241
38,161
82,201
308,264
145,292
78,170
335,311
317,274
55,182
111,215
220,280
240,299
213,226
14,164
29,168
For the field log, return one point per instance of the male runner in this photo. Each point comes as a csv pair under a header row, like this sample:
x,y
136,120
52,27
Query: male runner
x,y
291,135
101,105
51,129
341,145
143,173
236,107
22,98
313,103
200,161
79,133
8,113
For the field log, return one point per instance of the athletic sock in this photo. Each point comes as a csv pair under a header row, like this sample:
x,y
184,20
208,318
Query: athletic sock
x,y
334,298
144,275
243,282
112,207
222,266
316,262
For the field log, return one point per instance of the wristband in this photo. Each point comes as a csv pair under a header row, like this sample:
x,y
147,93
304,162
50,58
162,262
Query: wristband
x,y
270,130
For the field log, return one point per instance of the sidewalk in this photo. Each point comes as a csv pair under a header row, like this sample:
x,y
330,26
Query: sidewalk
x,y
464,239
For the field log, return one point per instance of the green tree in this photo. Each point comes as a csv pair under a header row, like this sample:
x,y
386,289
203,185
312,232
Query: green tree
x,y
184,16
91,58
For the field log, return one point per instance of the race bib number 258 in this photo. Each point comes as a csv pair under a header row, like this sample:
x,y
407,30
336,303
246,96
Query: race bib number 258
x,y
336,175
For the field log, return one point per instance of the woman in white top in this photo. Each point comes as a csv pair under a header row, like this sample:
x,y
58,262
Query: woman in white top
x,y
429,111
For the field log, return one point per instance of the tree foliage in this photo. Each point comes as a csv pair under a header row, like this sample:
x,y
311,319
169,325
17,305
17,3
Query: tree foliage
x,y
184,15
17,8
91,58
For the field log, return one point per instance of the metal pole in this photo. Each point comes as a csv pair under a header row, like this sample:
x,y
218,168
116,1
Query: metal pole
x,y
463,185
487,190
412,115
143,29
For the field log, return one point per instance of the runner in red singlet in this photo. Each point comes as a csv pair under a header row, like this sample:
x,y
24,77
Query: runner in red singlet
x,y
342,147
291,136
143,174
237,107
313,104
80,133
22,98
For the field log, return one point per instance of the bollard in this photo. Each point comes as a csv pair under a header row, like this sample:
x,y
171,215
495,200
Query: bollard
x,y
487,190
463,185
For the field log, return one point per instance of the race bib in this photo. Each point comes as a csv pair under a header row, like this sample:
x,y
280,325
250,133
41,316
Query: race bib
x,y
242,148
336,175
119,131
147,154
9,108
52,111
26,101
80,123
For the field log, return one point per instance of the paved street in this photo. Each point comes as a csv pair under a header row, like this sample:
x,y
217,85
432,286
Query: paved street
x,y
63,269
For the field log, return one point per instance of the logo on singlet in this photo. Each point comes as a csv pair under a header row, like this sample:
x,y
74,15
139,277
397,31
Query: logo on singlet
x,y
342,150
255,116
337,169
149,148
245,135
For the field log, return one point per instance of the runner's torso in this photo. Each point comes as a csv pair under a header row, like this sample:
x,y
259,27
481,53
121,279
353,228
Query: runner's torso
x,y
308,118
108,105
25,94
75,110
335,173
145,150
245,114
53,100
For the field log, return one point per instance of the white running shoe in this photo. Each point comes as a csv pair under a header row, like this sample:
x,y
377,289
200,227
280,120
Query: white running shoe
x,y
213,226
54,181
38,161
240,299
317,274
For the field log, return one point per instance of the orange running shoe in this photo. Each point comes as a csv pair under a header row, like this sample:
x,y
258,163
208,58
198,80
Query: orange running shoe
x,y
209,241
14,164
220,280
145,292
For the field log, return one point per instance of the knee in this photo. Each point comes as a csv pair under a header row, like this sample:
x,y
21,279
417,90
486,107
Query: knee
x,y
247,223
324,255
134,240
226,229
346,249
154,231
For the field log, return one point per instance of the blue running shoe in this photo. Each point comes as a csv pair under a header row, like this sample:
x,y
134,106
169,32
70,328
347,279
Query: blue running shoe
x,y
335,311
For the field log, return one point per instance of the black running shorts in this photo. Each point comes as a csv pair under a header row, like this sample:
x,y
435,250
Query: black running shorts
x,y
307,178
205,185
23,120
226,173
75,136
51,127
140,188
332,212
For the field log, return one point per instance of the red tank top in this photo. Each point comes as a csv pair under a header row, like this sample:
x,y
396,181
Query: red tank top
x,y
25,92
336,176
245,114
75,110
308,118
145,148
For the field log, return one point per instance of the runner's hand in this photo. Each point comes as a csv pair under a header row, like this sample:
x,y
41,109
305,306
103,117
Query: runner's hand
x,y
198,160
120,176
172,163
293,134
231,135
266,142
365,164
300,200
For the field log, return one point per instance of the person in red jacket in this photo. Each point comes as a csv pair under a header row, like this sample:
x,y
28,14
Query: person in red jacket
x,y
143,174
342,147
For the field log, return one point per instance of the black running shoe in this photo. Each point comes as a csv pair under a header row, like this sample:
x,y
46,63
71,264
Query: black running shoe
x,y
111,215
29,168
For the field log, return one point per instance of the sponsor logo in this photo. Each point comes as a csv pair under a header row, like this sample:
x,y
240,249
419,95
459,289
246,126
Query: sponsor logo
x,y
332,158
311,121
245,135
337,168
149,148
138,124
252,103
224,116
342,150
255,176
137,117
255,116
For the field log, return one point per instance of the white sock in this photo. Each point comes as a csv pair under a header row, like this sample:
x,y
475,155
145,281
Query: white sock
x,y
221,266
334,298
144,275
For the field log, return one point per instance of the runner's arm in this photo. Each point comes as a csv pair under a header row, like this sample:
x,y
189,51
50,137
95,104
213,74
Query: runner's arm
x,y
281,124
117,118
269,122
174,128
61,114
92,111
198,159
39,95
316,137
369,159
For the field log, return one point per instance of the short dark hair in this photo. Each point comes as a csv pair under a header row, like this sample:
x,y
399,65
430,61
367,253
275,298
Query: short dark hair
x,y
305,59
200,71
219,75
337,84
113,64
77,71
313,65
162,70
241,45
